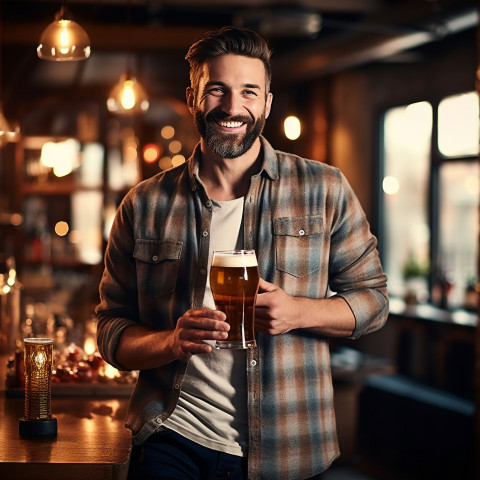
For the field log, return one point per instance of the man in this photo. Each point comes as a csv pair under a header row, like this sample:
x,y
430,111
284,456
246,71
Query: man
x,y
265,412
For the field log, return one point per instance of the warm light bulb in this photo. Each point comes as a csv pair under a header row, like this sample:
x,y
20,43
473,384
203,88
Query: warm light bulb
x,y
292,127
40,360
64,37
128,95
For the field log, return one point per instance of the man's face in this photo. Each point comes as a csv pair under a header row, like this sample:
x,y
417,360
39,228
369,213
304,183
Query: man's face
x,y
230,105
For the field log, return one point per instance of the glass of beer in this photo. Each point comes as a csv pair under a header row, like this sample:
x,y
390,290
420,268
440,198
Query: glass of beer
x,y
234,281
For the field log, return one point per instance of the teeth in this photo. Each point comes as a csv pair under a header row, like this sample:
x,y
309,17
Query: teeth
x,y
230,124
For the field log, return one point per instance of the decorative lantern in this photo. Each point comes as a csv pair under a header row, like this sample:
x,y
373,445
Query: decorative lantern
x,y
38,418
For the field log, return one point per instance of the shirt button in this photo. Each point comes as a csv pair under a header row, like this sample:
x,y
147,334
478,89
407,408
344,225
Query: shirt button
x,y
155,258
177,386
301,232
208,203
205,233
253,363
159,420
203,271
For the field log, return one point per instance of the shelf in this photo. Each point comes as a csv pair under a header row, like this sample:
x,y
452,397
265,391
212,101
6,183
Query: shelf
x,y
432,313
60,262
55,189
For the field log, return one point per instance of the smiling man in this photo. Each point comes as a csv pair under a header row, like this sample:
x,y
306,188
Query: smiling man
x,y
265,412
227,80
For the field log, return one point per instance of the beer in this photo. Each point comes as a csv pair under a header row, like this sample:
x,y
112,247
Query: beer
x,y
234,281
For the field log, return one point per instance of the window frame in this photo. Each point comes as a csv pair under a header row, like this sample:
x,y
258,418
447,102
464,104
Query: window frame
x,y
437,159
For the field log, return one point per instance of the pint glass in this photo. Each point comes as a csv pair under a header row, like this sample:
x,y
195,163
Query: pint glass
x,y
234,281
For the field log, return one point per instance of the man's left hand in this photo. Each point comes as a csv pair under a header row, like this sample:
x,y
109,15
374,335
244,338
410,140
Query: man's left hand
x,y
275,311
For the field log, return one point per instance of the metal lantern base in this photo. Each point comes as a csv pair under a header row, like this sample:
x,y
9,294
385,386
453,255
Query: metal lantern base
x,y
34,428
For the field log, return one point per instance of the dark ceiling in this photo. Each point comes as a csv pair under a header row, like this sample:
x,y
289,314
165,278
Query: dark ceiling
x,y
310,39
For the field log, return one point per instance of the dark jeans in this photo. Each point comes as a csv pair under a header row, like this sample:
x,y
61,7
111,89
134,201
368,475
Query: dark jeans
x,y
166,455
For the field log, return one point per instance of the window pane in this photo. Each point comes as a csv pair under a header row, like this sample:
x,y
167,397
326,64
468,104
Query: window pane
x,y
459,183
458,129
87,225
407,139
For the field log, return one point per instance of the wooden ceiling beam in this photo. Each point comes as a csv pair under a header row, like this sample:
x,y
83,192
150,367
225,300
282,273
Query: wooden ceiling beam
x,y
311,62
112,37
348,6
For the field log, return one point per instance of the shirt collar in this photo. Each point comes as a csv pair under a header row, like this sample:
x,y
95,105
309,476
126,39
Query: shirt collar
x,y
270,160
269,163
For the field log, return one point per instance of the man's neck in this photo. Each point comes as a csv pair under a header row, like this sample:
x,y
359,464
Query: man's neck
x,y
228,178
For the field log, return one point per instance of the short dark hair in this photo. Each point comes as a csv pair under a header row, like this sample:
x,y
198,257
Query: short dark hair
x,y
234,40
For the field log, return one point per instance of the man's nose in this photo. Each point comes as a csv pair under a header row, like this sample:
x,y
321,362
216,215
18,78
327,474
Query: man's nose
x,y
232,104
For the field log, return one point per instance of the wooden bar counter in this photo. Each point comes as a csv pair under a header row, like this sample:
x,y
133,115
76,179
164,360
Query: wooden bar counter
x,y
92,442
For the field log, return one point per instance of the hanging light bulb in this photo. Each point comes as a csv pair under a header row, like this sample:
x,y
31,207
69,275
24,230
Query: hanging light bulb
x,y
64,40
127,96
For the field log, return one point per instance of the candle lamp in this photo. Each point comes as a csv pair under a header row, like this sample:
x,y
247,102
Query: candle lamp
x,y
38,418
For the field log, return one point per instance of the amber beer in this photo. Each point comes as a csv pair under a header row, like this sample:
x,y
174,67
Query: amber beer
x,y
234,281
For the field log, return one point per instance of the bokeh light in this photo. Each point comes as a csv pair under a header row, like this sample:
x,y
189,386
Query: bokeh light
x,y
151,153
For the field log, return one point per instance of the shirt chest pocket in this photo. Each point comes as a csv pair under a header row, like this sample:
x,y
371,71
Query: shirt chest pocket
x,y
298,244
158,264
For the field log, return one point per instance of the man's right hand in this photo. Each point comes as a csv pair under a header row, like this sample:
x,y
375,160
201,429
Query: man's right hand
x,y
194,327
142,348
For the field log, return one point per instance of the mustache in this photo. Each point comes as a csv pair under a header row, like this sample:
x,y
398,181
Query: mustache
x,y
218,116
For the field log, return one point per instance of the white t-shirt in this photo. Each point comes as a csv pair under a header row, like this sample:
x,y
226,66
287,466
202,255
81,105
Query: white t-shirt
x,y
212,408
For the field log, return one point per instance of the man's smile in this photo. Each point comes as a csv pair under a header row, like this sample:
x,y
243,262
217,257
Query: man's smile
x,y
230,124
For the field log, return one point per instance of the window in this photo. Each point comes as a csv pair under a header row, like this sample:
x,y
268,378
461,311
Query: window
x,y
431,198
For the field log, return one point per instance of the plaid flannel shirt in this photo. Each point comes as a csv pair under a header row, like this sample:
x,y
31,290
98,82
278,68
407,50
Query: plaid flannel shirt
x,y
310,234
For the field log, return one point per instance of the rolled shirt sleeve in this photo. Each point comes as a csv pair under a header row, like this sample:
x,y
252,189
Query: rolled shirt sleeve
x,y
355,270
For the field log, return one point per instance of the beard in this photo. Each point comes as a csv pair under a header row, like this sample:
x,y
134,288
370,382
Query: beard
x,y
228,145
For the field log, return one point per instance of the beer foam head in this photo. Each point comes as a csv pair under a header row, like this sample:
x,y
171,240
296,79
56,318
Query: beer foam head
x,y
235,259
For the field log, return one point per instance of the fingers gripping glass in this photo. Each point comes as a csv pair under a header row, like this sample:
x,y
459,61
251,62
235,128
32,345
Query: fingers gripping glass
x,y
234,281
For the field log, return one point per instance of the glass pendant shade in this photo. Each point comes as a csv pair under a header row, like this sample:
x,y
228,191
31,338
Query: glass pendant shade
x,y
64,41
127,97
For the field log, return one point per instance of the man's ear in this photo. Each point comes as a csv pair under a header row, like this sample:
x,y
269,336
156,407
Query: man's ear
x,y
268,104
190,94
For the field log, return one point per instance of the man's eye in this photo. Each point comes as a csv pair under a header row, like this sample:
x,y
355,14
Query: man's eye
x,y
216,90
250,93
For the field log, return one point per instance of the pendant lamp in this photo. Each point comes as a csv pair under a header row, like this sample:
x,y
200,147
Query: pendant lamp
x,y
64,40
127,96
